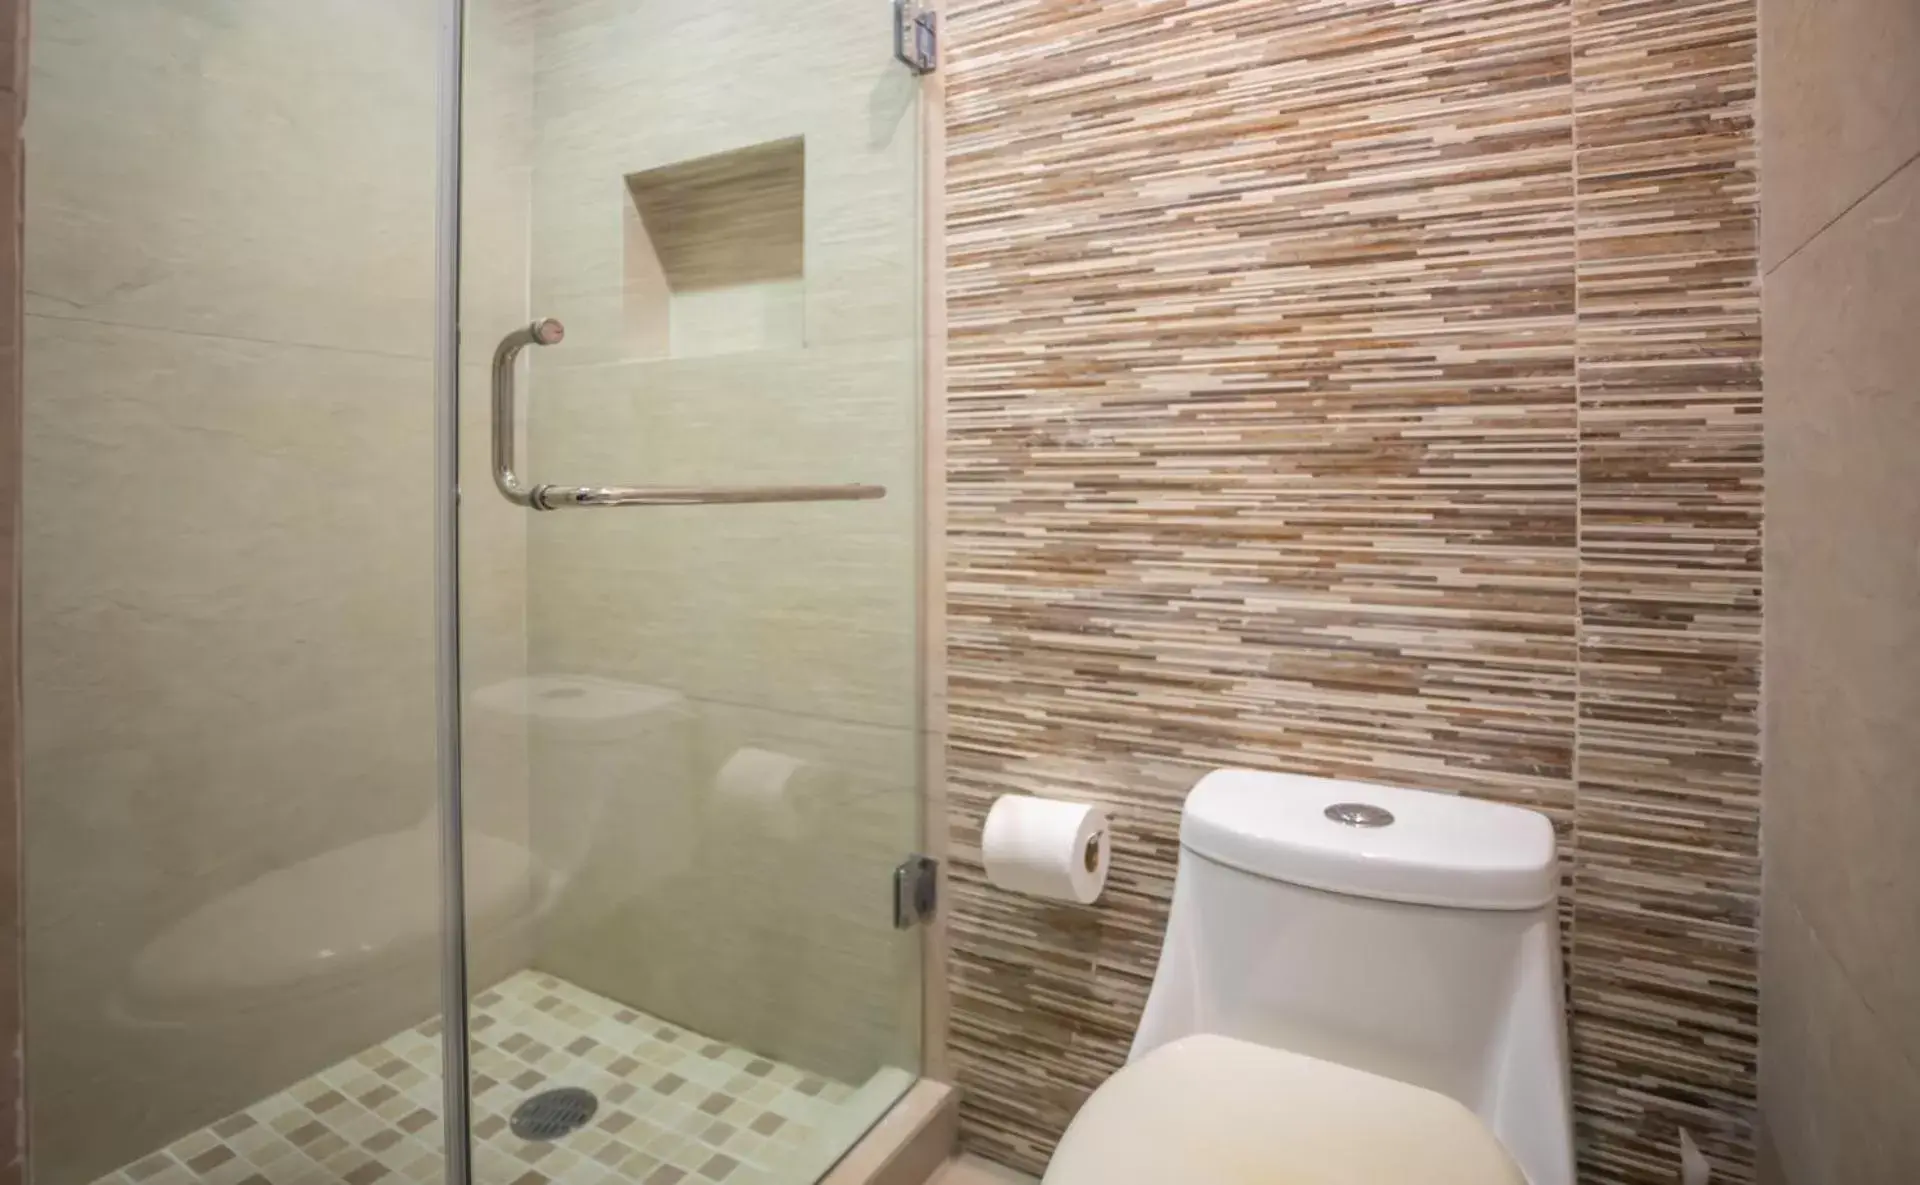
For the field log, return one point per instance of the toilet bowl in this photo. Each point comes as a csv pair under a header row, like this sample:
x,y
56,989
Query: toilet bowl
x,y
1350,972
1227,1112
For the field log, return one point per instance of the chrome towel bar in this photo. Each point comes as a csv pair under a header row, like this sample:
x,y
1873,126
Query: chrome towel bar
x,y
549,332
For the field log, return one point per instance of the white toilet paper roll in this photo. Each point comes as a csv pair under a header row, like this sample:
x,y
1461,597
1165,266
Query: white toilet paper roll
x,y
1047,848
757,786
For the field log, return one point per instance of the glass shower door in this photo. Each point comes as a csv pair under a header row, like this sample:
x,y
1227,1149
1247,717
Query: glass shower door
x,y
690,608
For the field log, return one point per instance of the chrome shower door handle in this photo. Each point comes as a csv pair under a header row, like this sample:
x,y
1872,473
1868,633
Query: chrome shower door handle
x,y
549,332
544,332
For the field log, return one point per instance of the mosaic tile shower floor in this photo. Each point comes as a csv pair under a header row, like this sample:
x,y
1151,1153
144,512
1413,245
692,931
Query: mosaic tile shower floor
x,y
675,1107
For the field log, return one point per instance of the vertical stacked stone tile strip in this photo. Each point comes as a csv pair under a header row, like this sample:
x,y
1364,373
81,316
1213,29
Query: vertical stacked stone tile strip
x,y
1667,884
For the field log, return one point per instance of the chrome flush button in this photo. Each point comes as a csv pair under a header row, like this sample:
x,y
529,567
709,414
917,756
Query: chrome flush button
x,y
1359,814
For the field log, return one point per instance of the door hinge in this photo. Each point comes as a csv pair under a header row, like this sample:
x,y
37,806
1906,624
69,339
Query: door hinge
x,y
916,891
916,35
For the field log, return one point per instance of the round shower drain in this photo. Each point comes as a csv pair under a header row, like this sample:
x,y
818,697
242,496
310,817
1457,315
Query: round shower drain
x,y
553,1113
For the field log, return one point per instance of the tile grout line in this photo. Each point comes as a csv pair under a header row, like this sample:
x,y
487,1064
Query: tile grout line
x,y
1579,532
1830,223
240,339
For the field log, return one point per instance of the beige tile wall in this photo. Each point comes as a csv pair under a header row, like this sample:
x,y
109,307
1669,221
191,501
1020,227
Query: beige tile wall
x,y
228,562
1840,1018
787,629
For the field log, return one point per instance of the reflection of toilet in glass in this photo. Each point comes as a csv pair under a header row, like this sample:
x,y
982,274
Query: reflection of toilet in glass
x,y
612,786
363,917
1353,976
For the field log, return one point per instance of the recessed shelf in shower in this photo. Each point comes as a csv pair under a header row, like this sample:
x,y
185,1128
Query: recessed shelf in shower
x,y
715,253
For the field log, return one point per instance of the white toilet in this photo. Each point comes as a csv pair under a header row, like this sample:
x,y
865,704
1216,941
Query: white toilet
x,y
1358,984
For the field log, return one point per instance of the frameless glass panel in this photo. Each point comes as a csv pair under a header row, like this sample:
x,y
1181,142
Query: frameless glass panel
x,y
695,727
233,896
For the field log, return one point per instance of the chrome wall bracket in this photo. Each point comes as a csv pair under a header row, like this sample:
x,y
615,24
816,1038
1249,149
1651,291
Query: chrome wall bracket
x,y
916,891
916,35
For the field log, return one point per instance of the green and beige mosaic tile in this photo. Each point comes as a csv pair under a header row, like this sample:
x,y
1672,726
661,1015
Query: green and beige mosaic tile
x,y
675,1106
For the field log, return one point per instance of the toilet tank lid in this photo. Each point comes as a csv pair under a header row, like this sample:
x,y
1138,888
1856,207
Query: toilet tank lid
x,y
1439,849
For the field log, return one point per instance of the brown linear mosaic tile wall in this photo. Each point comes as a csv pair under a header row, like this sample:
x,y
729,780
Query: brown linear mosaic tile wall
x,y
1361,388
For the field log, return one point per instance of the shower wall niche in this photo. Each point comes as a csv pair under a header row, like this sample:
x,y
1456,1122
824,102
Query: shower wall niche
x,y
715,253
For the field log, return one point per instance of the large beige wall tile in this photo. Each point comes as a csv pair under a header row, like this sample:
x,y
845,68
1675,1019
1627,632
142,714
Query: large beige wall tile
x,y
808,608
496,185
1843,634
1840,1098
1840,109
261,170
229,664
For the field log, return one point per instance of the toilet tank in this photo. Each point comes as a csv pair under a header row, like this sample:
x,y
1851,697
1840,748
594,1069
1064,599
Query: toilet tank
x,y
1403,932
